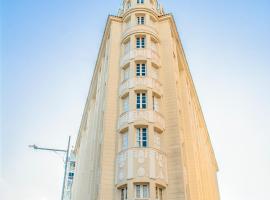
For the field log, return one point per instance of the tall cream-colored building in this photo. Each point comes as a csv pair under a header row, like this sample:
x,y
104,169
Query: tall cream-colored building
x,y
143,135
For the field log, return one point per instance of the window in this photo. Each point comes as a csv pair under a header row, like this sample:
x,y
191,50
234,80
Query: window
x,y
156,103
72,164
128,5
142,137
125,141
126,47
140,1
70,175
157,140
126,74
126,104
124,192
141,101
140,42
142,191
140,20
159,193
141,69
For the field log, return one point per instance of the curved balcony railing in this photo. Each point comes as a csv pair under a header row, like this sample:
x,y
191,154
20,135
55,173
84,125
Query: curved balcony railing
x,y
147,53
140,28
141,163
140,82
141,115
154,7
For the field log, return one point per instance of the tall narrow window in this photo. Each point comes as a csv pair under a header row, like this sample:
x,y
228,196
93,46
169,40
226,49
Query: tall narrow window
x,y
126,104
125,141
141,191
159,193
124,192
142,137
141,69
156,101
126,47
140,42
140,20
141,101
126,74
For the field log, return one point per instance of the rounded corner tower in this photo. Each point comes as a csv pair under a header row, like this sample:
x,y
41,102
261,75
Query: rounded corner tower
x,y
143,134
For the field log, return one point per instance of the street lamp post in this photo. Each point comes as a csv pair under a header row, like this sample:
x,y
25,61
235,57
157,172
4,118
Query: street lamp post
x,y
66,151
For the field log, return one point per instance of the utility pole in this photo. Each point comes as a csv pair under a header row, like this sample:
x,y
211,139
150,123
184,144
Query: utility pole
x,y
66,151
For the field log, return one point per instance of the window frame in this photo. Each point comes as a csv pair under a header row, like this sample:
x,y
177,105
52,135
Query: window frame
x,y
142,191
126,73
140,42
124,193
124,144
140,20
125,105
141,100
126,46
142,137
140,1
141,69
159,193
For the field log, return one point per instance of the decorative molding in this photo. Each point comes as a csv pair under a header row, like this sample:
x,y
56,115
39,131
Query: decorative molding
x,y
142,163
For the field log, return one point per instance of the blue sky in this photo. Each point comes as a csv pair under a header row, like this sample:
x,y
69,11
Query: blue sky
x,y
48,52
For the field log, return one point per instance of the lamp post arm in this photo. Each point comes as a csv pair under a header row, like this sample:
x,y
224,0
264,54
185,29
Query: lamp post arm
x,y
47,149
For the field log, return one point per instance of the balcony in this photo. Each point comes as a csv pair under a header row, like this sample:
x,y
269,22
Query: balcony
x,y
141,163
141,115
156,8
150,29
140,54
141,82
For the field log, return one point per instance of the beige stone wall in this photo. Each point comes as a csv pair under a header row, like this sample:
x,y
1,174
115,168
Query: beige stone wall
x,y
184,166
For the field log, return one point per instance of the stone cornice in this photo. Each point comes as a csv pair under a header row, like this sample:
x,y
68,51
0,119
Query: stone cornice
x,y
140,9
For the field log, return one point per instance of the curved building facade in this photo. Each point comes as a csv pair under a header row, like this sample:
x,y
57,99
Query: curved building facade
x,y
143,135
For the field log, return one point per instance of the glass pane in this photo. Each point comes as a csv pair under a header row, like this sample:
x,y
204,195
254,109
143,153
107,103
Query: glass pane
x,y
138,101
122,194
138,70
138,42
144,101
125,141
145,191
138,137
143,42
160,194
144,144
143,70
138,194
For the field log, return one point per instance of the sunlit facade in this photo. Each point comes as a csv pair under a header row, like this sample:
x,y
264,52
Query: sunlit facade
x,y
143,135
